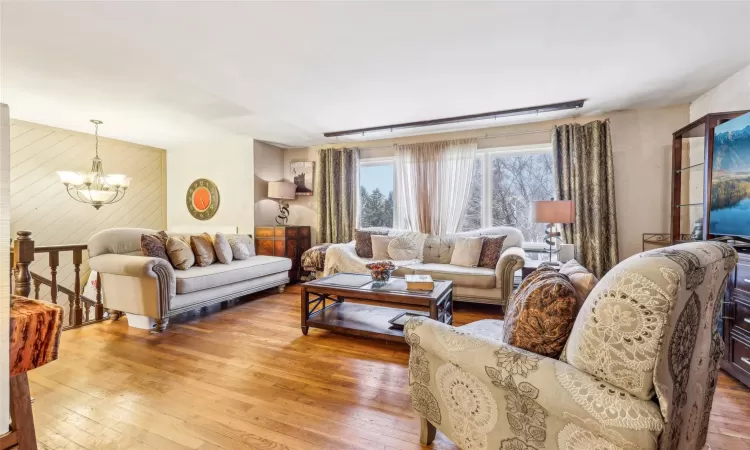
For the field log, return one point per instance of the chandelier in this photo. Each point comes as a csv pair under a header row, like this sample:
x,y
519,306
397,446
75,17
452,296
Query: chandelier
x,y
95,188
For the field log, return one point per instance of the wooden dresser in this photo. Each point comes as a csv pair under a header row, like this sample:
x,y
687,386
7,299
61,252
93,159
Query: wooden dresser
x,y
289,241
736,322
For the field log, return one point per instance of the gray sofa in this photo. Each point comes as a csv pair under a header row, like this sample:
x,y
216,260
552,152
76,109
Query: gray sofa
x,y
470,284
151,287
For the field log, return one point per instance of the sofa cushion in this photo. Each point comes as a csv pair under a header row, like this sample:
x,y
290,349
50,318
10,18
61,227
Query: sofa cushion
x,y
203,249
222,248
467,251
363,241
153,245
541,313
199,278
477,277
380,247
492,248
581,279
180,254
240,250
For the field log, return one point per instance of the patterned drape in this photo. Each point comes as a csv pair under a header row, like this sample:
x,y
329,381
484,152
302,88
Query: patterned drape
x,y
584,173
336,193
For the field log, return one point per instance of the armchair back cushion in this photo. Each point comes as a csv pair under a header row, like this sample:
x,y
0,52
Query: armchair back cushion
x,y
649,326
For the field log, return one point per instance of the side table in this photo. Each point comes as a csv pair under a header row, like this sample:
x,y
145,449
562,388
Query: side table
x,y
531,265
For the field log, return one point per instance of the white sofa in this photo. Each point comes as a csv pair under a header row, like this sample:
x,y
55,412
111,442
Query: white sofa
x,y
151,287
478,284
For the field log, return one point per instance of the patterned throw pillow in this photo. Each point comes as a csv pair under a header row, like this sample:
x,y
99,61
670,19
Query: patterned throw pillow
x,y
203,249
406,246
240,250
581,279
180,254
222,249
492,248
467,251
153,246
363,241
541,313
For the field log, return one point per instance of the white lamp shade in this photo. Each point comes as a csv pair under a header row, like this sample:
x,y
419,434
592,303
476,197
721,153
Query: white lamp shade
x,y
281,190
97,196
553,211
73,178
115,179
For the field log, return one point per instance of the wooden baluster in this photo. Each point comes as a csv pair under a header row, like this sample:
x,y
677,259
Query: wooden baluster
x,y
99,310
54,261
86,311
23,251
37,285
70,310
77,312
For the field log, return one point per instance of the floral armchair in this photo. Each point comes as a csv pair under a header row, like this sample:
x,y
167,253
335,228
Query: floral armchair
x,y
639,369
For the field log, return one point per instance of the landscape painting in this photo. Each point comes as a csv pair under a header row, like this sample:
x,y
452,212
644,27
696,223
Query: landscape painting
x,y
302,175
730,184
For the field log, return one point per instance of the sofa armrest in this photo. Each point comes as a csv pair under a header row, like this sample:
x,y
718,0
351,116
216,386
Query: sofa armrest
x,y
122,267
481,392
511,260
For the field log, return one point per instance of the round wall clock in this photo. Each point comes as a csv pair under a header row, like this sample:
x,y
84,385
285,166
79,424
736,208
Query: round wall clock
x,y
202,199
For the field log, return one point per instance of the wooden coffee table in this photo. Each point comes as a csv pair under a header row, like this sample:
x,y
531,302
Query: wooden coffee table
x,y
323,305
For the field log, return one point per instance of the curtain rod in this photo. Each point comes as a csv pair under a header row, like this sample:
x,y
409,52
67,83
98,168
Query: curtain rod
x,y
486,136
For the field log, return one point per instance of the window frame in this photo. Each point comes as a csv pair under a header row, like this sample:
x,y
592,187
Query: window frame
x,y
486,155
377,161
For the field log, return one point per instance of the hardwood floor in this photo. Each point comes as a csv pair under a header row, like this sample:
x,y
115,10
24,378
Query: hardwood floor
x,y
245,377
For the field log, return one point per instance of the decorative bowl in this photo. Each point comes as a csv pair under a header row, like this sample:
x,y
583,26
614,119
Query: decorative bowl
x,y
380,272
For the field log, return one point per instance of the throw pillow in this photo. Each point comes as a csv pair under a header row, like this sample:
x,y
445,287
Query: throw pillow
x,y
180,254
203,249
363,242
541,313
492,248
581,279
222,248
467,251
380,246
153,246
240,250
403,248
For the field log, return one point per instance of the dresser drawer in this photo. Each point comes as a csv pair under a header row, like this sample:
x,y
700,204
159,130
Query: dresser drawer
x,y
742,313
261,232
743,277
740,353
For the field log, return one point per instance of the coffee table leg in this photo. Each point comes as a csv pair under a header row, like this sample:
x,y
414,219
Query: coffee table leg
x,y
304,309
434,311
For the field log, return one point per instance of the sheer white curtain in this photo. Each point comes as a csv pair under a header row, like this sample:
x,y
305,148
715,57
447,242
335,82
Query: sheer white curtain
x,y
433,181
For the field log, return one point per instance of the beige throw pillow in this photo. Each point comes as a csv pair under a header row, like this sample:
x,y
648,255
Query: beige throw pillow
x,y
180,254
467,251
380,246
581,279
222,248
240,250
203,249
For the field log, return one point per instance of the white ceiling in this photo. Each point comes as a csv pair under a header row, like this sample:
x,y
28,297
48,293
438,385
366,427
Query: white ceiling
x,y
285,72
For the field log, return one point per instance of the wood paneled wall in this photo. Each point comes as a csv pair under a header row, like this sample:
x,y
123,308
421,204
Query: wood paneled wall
x,y
40,204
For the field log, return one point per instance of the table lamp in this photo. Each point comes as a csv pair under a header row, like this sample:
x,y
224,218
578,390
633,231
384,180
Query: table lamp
x,y
282,190
552,212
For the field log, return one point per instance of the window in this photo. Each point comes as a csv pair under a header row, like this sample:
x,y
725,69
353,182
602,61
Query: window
x,y
504,184
376,203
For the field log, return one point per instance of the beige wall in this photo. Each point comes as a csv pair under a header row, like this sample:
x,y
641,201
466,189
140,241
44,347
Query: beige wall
x,y
228,162
269,166
731,95
40,204
642,141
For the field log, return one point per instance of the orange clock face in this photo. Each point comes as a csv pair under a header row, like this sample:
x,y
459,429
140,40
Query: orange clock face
x,y
202,199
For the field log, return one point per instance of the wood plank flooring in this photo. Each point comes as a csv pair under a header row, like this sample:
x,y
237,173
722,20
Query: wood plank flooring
x,y
244,377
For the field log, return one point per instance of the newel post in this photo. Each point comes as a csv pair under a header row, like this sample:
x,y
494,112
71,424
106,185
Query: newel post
x,y
23,256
